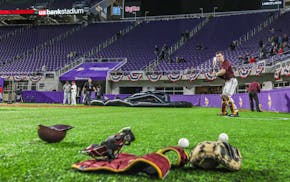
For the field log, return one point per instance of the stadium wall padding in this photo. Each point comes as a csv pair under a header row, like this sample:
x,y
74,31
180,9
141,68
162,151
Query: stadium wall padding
x,y
277,100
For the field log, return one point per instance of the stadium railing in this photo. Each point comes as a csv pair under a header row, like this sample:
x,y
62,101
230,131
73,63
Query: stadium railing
x,y
196,15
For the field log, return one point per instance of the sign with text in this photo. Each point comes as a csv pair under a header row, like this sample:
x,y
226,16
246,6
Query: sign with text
x,y
272,4
73,11
132,7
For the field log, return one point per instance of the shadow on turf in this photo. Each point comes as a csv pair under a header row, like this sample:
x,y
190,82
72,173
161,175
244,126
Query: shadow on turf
x,y
245,174
128,174
63,144
7,110
191,169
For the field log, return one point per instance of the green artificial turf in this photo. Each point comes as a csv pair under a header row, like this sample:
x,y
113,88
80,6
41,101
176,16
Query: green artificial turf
x,y
263,139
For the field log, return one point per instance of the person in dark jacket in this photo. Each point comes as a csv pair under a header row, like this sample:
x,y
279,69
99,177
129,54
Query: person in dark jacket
x,y
253,89
87,90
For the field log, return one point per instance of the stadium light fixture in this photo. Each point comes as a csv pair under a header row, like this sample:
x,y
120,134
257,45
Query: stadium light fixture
x,y
135,14
122,9
146,12
214,10
201,10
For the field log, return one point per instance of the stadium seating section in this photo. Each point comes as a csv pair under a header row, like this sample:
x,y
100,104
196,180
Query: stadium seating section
x,y
27,49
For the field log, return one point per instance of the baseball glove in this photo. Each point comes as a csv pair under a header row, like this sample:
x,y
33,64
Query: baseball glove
x,y
209,155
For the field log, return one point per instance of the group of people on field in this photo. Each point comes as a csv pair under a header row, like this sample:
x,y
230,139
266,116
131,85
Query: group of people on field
x,y
72,92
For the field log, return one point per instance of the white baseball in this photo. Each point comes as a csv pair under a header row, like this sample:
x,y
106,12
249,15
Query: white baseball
x,y
223,137
183,142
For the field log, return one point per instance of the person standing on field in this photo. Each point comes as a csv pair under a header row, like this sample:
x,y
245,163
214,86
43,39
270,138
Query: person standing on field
x,y
253,89
66,92
226,72
73,93
87,91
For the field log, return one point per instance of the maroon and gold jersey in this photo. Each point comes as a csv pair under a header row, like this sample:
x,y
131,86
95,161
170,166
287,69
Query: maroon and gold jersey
x,y
229,70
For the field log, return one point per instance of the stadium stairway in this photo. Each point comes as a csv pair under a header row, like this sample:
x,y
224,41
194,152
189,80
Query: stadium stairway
x,y
262,26
214,36
138,46
7,32
111,40
178,44
32,49
57,55
251,44
99,47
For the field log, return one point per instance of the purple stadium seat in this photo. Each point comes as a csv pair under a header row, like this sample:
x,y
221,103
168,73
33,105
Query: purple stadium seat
x,y
138,45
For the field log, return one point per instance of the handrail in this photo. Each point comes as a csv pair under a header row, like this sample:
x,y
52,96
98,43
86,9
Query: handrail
x,y
178,44
256,29
96,49
9,34
81,60
197,15
46,43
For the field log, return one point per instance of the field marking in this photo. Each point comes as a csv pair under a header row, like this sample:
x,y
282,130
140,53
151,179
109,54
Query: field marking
x,y
260,118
